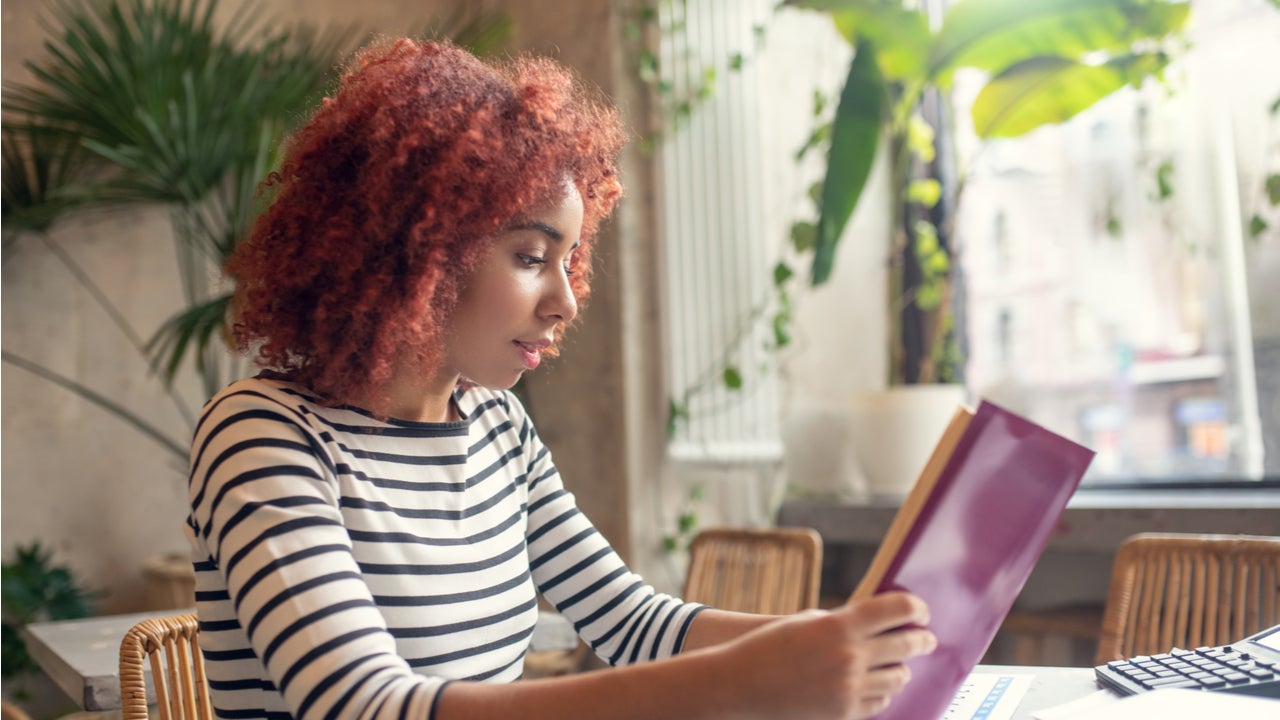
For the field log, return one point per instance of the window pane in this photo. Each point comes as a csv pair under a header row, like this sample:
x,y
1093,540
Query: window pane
x,y
1107,263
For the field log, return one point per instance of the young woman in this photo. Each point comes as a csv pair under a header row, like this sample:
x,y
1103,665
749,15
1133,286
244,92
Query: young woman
x,y
372,515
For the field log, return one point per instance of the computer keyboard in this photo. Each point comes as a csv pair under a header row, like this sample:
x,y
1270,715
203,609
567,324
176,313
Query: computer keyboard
x,y
1250,666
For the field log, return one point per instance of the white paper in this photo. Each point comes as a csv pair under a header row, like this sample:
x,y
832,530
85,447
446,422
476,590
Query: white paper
x,y
1080,708
988,696
1166,704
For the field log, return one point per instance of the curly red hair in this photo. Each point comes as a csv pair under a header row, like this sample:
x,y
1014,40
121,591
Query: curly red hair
x,y
390,194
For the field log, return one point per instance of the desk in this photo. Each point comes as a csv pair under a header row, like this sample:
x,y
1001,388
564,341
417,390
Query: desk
x,y
83,656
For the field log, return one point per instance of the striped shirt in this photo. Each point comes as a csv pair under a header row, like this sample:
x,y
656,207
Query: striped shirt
x,y
349,567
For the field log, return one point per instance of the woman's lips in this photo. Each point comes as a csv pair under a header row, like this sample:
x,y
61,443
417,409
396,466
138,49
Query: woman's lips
x,y
530,354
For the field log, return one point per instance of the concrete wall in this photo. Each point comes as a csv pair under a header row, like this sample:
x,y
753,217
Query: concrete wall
x,y
105,496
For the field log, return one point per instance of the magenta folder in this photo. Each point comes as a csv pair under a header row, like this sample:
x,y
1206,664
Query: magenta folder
x,y
995,500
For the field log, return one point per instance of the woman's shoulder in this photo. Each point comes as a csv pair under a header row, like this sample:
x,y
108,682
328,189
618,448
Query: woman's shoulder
x,y
476,400
254,393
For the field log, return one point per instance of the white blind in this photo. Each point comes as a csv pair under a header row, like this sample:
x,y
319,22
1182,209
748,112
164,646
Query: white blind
x,y
718,257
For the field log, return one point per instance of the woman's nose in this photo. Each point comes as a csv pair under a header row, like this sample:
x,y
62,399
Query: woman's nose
x,y
558,301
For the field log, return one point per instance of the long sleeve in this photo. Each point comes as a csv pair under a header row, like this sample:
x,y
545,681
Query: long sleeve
x,y
623,619
265,508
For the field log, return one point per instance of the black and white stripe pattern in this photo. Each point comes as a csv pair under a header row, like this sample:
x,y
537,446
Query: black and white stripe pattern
x,y
350,567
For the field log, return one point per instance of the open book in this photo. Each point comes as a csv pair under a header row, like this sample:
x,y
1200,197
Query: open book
x,y
966,538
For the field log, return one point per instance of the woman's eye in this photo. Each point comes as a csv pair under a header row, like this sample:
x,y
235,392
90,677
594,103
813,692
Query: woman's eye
x,y
530,260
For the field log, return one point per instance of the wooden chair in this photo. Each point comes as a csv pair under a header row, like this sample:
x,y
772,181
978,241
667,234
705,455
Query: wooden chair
x,y
171,646
762,570
1184,590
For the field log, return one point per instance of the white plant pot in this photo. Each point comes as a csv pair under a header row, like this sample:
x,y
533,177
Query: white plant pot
x,y
893,431
817,456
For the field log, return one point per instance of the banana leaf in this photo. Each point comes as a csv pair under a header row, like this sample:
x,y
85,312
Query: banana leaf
x,y
994,35
854,137
1046,90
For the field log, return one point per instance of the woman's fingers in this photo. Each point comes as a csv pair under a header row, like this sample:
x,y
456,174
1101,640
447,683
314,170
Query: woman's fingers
x,y
899,645
888,611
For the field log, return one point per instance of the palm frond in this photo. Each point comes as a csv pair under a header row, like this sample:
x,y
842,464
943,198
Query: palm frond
x,y
43,170
190,331
482,33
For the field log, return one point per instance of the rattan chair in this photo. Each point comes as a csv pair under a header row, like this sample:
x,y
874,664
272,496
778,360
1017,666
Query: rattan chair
x,y
762,570
1181,590
171,646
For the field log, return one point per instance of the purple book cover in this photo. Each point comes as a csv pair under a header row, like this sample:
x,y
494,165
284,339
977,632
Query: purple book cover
x,y
975,542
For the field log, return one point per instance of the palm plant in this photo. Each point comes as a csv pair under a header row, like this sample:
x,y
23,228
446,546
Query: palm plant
x,y
146,102
1045,62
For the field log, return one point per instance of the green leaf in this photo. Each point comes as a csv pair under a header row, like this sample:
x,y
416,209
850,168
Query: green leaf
x,y
1040,92
1114,228
648,66
1257,226
781,330
901,36
929,297
732,378
1164,180
803,235
687,522
994,35
926,192
817,137
194,326
920,136
1272,184
782,272
675,411
814,193
855,135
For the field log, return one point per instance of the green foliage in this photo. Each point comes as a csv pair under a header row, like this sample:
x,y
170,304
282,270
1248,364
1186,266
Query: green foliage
x,y
687,523
855,134
1046,61
1164,180
34,589
1257,226
644,26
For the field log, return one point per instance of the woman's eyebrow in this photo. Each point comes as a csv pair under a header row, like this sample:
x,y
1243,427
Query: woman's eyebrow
x,y
541,227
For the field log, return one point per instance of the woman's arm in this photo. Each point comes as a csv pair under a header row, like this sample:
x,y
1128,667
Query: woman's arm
x,y
846,663
714,627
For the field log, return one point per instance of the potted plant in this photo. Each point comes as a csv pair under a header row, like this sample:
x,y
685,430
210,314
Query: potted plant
x,y
35,589
1044,62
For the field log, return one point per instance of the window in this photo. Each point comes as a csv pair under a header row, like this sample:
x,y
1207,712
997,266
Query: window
x,y
1130,265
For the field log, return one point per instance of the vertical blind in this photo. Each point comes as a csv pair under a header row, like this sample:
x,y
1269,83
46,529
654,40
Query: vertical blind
x,y
717,255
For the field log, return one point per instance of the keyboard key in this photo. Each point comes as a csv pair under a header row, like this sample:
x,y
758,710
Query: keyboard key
x,y
1173,682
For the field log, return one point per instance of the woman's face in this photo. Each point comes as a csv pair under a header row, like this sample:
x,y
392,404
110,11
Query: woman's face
x,y
517,296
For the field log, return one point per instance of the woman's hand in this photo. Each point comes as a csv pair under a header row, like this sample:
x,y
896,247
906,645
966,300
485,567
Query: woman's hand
x,y
840,664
